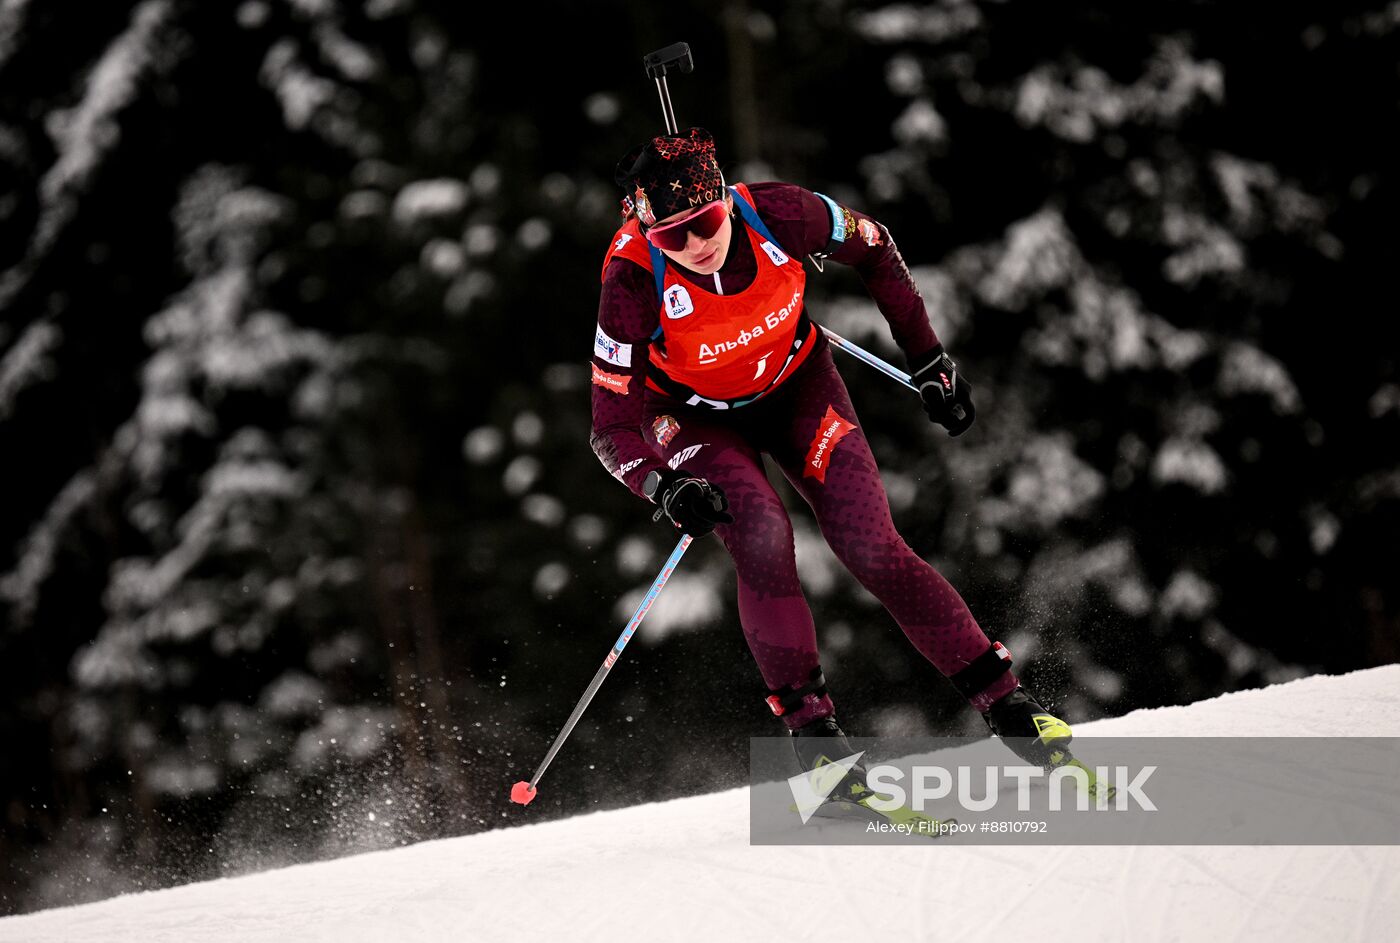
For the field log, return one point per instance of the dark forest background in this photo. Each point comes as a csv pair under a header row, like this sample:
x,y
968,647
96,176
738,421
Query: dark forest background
x,y
303,550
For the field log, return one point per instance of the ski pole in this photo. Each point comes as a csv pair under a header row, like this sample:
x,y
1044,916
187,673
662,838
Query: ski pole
x,y
887,369
522,792
865,356
674,56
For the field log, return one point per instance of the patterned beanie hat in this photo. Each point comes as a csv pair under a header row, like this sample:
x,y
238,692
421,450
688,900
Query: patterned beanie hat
x,y
670,174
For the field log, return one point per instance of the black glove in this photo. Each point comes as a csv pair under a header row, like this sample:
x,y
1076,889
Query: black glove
x,y
946,394
693,504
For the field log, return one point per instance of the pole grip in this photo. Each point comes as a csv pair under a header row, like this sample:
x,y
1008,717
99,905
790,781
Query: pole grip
x,y
673,57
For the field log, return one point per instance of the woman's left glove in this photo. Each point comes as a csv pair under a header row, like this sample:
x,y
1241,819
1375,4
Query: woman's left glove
x,y
693,505
946,394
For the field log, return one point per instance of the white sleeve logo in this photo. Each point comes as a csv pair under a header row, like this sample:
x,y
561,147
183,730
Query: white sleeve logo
x,y
624,469
605,348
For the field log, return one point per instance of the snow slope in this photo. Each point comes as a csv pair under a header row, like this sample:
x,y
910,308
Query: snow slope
x,y
684,870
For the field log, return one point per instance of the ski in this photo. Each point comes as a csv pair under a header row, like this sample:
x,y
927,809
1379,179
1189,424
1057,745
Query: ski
x,y
852,804
902,819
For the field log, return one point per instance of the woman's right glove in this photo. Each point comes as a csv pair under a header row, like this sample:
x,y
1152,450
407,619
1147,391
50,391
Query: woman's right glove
x,y
947,396
693,505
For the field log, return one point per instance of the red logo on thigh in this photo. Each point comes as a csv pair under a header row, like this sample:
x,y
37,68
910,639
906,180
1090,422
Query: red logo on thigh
x,y
831,431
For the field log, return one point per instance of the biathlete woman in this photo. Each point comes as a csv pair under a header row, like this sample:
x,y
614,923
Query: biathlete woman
x,y
705,359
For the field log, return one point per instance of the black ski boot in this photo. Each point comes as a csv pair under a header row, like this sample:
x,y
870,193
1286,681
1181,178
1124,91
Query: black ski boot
x,y
1033,733
822,742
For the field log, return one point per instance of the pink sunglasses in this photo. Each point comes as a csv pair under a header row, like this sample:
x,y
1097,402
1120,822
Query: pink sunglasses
x,y
704,222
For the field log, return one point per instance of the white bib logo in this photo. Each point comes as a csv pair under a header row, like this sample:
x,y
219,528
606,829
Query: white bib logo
x,y
774,253
678,303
